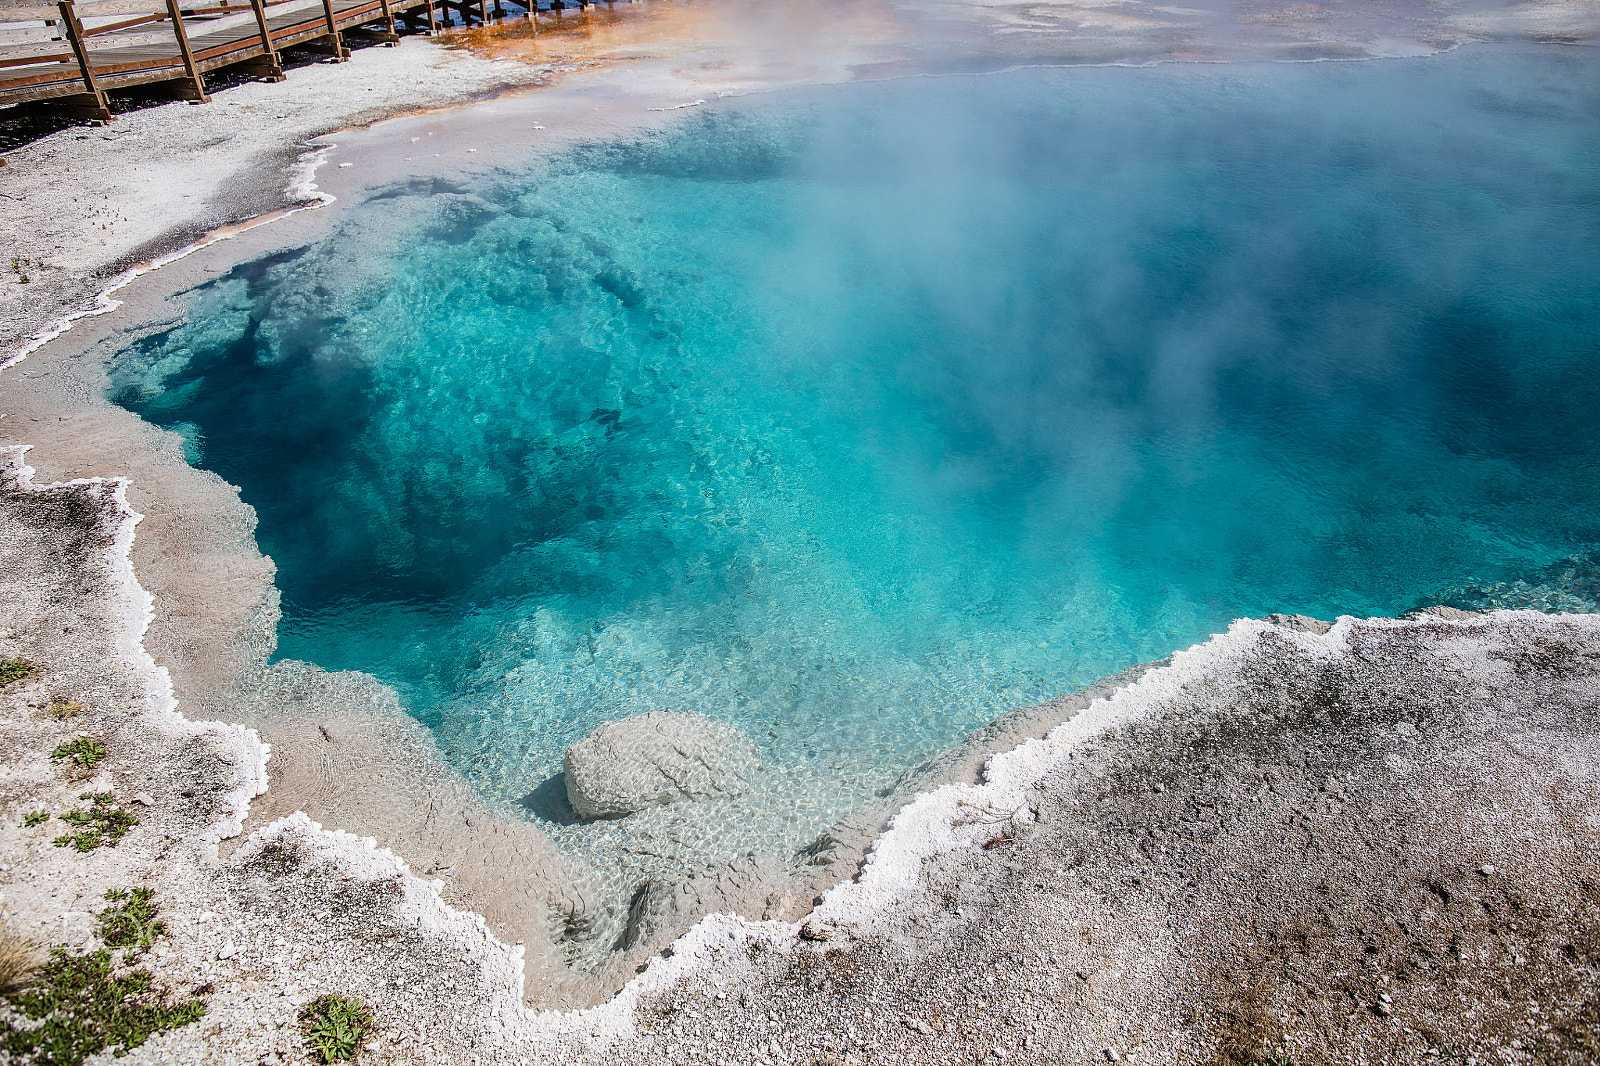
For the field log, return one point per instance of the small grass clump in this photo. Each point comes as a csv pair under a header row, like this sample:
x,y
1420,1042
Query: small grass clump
x,y
85,752
103,822
63,709
132,923
18,959
38,817
334,1027
14,670
87,1003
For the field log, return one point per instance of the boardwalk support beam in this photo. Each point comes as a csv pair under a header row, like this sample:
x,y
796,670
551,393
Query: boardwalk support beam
x,y
193,87
414,20
388,24
267,66
335,42
92,104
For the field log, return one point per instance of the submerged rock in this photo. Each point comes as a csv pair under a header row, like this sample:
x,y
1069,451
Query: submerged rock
x,y
1567,586
648,760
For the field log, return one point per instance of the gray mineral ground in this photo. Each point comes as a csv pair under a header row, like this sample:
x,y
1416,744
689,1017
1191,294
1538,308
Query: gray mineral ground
x,y
1390,853
1378,843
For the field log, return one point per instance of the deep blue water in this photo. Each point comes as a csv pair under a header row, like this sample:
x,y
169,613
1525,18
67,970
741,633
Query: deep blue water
x,y
861,415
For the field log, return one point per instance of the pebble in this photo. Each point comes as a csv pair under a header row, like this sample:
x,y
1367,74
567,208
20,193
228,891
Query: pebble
x,y
1112,1056
815,930
1487,869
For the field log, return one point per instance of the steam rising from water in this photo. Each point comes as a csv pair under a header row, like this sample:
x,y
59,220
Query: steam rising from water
x,y
863,415
738,45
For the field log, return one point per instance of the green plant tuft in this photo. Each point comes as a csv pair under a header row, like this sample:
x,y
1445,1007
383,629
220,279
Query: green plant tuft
x,y
64,708
85,752
103,822
133,922
14,670
38,817
334,1027
86,1004
87,840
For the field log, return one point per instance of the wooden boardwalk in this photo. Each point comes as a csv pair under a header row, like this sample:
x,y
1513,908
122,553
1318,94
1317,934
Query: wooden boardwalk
x,y
72,65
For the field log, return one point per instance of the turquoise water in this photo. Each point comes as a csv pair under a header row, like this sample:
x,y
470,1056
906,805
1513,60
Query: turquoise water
x,y
861,415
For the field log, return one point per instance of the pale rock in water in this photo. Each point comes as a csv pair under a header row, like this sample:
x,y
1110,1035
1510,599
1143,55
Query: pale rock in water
x,y
648,760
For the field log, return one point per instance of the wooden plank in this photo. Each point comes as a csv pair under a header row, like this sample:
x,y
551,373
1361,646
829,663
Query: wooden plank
x,y
45,57
142,20
298,31
223,54
66,73
39,49
103,72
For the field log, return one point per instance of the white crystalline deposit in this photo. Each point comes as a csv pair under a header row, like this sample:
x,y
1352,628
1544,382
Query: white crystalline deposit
x,y
238,749
649,760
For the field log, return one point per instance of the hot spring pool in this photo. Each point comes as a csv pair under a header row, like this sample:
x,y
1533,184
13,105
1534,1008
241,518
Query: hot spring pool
x,y
858,416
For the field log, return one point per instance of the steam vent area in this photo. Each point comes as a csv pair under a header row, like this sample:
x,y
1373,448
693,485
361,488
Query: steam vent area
x,y
768,533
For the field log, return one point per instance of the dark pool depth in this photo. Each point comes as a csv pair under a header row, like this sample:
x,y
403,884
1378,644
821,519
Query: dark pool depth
x,y
863,415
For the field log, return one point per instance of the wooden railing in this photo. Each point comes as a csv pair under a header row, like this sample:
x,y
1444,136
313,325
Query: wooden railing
x,y
74,65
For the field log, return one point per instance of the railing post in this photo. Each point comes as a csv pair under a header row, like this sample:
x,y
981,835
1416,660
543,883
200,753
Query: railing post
x,y
272,67
433,18
98,108
340,52
195,80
